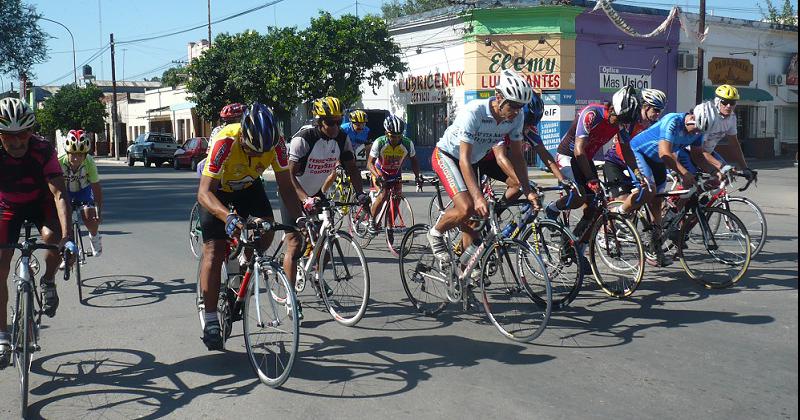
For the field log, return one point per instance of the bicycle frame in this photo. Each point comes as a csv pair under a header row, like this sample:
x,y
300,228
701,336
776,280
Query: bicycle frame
x,y
391,204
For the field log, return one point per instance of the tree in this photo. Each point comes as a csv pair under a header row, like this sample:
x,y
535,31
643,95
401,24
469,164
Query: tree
x,y
73,107
786,16
174,76
399,8
22,42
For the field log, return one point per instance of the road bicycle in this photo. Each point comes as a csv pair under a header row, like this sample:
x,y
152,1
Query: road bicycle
x,y
262,298
333,262
77,216
511,274
342,192
26,319
395,214
195,231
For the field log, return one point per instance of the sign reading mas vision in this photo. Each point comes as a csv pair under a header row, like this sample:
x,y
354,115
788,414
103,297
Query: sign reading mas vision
x,y
613,78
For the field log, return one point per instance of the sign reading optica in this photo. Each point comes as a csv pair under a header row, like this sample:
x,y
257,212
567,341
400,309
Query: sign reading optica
x,y
613,78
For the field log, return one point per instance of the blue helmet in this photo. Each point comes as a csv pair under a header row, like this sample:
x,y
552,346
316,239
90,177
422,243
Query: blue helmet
x,y
259,130
534,110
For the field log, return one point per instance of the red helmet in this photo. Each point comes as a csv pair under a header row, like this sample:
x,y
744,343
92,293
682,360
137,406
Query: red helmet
x,y
232,112
77,142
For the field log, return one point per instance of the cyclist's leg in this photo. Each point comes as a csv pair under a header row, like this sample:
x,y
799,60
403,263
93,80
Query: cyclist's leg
x,y
46,220
581,179
453,183
618,184
10,224
572,200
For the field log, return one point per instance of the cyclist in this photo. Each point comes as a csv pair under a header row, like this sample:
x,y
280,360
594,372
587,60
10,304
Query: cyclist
x,y
231,176
357,131
385,162
231,113
313,154
83,185
724,128
478,127
618,183
31,188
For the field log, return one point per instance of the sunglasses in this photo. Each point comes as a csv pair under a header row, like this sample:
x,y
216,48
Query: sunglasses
x,y
727,102
330,122
515,106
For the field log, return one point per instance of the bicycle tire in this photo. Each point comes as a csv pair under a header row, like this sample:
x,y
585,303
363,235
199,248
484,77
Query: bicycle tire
x,y
393,229
359,224
346,304
745,208
517,274
690,244
623,276
24,346
434,210
424,277
559,250
199,305
195,232
272,344
79,259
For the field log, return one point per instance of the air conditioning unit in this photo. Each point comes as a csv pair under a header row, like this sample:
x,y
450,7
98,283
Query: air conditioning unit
x,y
687,61
776,80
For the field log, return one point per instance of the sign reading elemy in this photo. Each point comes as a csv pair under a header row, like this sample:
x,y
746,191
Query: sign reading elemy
x,y
613,78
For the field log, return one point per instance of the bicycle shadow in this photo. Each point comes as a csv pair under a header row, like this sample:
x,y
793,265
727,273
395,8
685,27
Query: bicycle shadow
x,y
128,290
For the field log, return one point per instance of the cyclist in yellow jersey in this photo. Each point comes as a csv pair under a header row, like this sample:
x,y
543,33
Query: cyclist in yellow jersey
x,y
232,175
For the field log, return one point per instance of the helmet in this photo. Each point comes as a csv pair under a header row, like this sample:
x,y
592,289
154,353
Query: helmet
x,y
327,107
655,98
626,105
259,130
727,92
231,112
77,142
358,116
534,110
15,116
394,124
514,87
705,115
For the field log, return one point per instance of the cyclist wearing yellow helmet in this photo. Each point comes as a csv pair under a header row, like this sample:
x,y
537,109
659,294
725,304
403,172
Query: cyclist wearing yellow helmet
x,y
357,131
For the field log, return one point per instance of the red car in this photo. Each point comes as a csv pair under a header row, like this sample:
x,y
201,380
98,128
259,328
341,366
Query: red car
x,y
192,151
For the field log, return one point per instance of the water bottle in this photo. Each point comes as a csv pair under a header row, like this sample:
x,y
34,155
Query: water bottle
x,y
509,229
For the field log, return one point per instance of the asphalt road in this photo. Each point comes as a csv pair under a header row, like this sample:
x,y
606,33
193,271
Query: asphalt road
x,y
132,347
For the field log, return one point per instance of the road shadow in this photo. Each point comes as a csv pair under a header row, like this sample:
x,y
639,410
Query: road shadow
x,y
127,290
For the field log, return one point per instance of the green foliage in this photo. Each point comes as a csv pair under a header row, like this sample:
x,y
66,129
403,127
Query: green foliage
x,y
787,15
73,107
173,76
22,42
399,8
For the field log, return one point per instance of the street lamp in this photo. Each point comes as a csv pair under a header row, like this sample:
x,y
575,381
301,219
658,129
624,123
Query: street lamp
x,y
74,65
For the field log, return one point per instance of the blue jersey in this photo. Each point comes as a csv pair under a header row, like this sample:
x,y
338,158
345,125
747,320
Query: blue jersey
x,y
355,138
474,124
670,128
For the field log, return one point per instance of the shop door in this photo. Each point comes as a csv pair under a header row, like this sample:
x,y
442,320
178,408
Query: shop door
x,y
430,121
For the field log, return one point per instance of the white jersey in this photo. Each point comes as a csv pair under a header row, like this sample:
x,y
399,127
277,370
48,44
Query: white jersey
x,y
722,128
474,124
316,156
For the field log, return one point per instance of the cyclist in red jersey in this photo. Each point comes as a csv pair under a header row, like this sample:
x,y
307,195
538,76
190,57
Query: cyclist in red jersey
x,y
32,188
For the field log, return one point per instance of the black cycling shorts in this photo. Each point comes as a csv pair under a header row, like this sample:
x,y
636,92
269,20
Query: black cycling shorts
x,y
581,178
492,169
40,212
251,201
617,183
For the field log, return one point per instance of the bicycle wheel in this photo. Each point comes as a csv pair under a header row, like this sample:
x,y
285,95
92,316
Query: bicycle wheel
x,y
714,258
399,216
434,209
424,277
199,305
195,232
616,255
80,257
559,251
359,224
750,214
511,274
271,330
345,272
23,346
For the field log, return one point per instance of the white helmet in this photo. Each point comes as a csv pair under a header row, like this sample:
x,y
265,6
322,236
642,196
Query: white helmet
x,y
626,105
514,87
705,115
77,142
655,98
15,116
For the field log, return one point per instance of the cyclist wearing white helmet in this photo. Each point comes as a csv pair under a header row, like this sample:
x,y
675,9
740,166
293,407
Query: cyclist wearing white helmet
x,y
83,184
479,126
31,188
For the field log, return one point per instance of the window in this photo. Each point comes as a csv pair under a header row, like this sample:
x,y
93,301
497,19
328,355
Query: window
x,y
427,123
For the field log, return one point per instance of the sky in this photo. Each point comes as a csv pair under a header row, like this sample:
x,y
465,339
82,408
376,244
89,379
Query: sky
x,y
91,22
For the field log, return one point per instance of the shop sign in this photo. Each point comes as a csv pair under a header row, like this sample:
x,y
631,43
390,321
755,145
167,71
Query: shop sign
x,y
432,87
539,64
734,71
614,78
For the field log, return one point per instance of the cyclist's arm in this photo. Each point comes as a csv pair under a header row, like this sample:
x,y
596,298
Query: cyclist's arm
x,y
302,195
584,162
354,174
94,180
371,156
670,159
207,199
709,157
464,164
58,188
97,191
699,156
288,194
627,152
733,139
415,166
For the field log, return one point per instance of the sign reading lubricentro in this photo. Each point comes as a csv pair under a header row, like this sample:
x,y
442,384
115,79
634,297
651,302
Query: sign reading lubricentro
x,y
432,87
733,71
613,78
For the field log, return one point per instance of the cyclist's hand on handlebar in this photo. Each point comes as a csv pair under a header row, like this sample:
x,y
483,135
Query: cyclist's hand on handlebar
x,y
68,250
233,224
482,207
643,181
310,203
749,174
594,186
533,198
687,181
419,182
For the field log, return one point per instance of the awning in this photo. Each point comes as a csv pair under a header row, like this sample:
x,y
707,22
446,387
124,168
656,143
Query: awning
x,y
181,106
745,94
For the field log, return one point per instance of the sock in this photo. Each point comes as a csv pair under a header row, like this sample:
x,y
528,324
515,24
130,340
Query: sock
x,y
211,316
435,232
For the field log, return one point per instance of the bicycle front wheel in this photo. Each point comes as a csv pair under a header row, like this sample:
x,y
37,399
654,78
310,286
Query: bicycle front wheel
x,y
424,277
399,216
717,258
271,328
511,274
616,255
195,232
750,214
344,278
559,251
23,346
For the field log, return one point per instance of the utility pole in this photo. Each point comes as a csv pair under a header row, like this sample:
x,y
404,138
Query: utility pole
x,y
356,8
209,23
698,96
114,117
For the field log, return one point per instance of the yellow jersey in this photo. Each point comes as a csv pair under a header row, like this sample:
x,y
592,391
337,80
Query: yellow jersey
x,y
229,163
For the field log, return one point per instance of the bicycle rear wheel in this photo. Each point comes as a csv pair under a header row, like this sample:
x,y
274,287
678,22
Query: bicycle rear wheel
x,y
511,274
195,232
616,255
23,346
399,216
79,259
271,329
559,251
344,271
750,214
717,258
359,223
424,277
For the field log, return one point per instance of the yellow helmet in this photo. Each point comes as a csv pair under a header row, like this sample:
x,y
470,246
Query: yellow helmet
x,y
327,107
358,116
727,92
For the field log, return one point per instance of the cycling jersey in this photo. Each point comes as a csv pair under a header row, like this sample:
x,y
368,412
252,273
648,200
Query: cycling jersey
x,y
356,138
389,159
228,162
614,154
670,128
723,127
24,180
592,124
532,139
316,156
474,124
80,178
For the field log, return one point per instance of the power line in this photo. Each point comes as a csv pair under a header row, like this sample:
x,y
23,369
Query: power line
x,y
92,58
160,67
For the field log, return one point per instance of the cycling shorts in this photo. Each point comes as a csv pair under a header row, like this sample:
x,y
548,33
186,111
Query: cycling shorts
x,y
38,212
449,172
83,197
617,181
685,159
655,172
251,201
570,169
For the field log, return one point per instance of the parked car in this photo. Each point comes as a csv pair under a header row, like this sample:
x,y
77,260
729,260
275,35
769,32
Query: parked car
x,y
152,148
190,153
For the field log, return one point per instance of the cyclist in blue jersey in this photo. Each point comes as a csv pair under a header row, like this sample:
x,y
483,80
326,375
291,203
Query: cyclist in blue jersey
x,y
357,131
